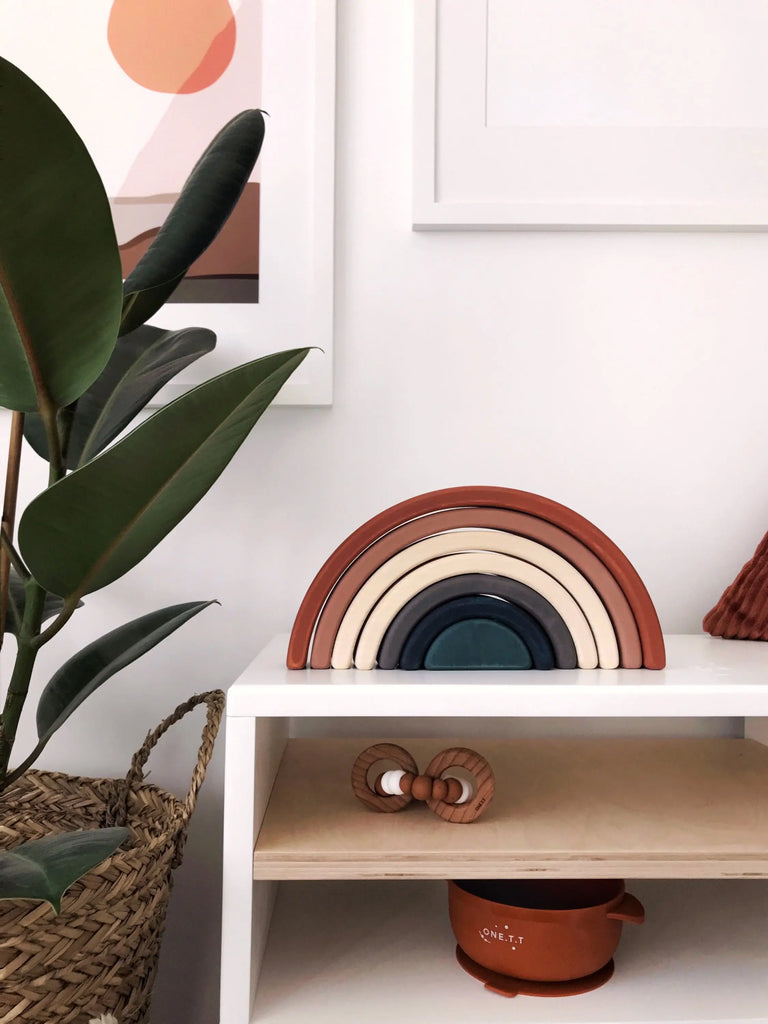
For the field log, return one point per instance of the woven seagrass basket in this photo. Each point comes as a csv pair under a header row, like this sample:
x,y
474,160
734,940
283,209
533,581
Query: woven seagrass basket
x,y
100,954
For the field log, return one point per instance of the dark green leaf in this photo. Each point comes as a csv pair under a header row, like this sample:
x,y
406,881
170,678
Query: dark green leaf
x,y
142,363
34,434
89,668
97,523
206,201
138,307
60,276
45,868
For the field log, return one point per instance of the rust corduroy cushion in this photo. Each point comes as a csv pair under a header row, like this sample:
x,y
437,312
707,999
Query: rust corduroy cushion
x,y
742,611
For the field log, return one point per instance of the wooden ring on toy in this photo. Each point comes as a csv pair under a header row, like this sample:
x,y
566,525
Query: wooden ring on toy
x,y
481,772
361,767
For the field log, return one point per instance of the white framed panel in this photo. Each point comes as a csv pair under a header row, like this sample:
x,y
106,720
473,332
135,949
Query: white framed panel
x,y
295,307
590,113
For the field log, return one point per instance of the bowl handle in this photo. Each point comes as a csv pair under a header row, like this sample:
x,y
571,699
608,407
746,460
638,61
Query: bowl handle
x,y
630,909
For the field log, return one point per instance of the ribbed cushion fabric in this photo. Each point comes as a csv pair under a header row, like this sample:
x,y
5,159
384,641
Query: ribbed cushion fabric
x,y
742,611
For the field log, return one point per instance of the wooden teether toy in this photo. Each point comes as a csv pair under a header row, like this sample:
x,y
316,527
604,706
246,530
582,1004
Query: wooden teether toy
x,y
451,797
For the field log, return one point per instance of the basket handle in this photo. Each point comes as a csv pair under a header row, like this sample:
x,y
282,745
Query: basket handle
x,y
117,811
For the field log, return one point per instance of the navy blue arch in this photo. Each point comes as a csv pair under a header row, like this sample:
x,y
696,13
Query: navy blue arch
x,y
477,607
509,590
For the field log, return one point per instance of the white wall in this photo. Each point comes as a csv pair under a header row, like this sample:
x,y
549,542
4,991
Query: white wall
x,y
622,374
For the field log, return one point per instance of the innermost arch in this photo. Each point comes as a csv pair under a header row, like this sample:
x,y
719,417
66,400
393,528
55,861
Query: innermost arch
x,y
477,644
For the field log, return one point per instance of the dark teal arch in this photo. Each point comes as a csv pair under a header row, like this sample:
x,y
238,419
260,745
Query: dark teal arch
x,y
477,644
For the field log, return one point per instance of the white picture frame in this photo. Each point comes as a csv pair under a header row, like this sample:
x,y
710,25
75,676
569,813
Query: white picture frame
x,y
474,169
295,307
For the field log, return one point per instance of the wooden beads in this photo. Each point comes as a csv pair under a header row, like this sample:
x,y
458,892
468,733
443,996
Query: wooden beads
x,y
453,799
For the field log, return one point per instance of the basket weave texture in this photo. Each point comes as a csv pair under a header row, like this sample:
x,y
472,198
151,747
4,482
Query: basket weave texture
x,y
100,954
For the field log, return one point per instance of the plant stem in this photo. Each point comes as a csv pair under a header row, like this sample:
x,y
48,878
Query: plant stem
x,y
66,613
9,511
56,467
15,613
34,604
13,555
22,673
65,419
19,770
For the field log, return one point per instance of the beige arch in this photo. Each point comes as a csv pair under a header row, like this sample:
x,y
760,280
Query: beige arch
x,y
500,541
494,562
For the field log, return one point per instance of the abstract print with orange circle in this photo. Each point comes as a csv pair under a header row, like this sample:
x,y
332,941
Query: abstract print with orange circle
x,y
172,46
178,48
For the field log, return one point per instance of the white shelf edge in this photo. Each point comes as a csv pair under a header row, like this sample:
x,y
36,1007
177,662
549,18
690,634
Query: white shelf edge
x,y
704,677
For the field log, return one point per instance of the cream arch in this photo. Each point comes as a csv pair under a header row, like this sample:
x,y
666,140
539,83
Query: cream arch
x,y
460,564
361,647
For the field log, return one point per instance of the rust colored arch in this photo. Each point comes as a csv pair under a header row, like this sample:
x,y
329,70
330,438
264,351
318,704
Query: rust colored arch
x,y
535,505
521,523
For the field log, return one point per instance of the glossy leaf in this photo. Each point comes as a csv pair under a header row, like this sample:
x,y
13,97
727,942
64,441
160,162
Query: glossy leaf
x,y
44,869
142,363
85,671
138,307
34,433
97,523
60,276
207,199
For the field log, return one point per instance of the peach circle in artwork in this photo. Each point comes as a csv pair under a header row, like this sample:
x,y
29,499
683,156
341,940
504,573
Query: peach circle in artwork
x,y
177,46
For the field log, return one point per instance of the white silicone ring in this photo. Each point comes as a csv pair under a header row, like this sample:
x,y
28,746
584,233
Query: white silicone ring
x,y
390,782
466,789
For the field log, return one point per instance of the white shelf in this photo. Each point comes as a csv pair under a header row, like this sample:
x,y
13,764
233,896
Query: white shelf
x,y
383,952
705,676
374,950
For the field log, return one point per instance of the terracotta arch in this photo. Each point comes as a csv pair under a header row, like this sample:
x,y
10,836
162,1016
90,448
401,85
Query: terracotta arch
x,y
615,561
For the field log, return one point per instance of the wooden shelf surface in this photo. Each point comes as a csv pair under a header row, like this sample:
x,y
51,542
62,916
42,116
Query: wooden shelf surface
x,y
705,676
597,807
346,952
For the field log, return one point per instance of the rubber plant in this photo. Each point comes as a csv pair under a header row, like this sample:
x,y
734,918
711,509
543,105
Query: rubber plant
x,y
78,362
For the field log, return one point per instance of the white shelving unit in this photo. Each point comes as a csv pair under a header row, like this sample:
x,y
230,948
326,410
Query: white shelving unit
x,y
360,929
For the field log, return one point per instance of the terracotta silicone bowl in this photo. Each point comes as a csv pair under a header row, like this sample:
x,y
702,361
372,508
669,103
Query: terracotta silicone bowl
x,y
544,930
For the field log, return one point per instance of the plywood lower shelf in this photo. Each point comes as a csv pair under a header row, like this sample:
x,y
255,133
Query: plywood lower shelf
x,y
345,952
641,808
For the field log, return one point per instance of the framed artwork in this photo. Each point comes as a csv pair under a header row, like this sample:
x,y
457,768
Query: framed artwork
x,y
147,84
591,113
